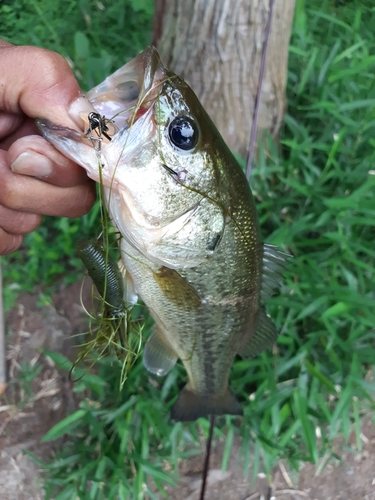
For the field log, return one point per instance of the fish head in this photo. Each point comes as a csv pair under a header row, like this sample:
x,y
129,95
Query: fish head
x,y
163,157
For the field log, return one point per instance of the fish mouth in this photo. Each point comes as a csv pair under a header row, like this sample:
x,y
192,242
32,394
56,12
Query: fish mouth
x,y
120,100
128,93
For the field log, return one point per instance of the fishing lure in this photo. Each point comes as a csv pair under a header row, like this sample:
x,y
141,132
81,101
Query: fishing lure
x,y
105,273
102,126
112,326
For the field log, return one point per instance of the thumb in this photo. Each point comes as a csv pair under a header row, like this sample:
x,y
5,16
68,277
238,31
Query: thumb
x,y
39,83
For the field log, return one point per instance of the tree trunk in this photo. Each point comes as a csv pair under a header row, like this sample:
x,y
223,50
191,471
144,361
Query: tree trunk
x,y
216,45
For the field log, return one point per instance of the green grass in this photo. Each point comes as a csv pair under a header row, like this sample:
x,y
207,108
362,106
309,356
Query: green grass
x,y
315,199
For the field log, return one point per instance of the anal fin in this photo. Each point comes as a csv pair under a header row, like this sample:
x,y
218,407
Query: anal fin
x,y
159,357
263,338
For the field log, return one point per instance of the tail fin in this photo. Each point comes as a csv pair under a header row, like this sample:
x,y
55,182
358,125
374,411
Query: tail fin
x,y
191,405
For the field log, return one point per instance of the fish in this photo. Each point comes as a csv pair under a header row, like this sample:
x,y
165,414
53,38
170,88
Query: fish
x,y
191,242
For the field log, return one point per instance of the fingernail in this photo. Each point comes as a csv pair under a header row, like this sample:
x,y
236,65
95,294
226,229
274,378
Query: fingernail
x,y
80,105
32,163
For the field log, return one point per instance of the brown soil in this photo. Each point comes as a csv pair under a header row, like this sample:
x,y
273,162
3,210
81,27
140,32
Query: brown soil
x,y
351,479
29,408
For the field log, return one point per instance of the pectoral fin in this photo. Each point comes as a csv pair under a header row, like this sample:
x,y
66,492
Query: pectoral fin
x,y
263,338
191,405
176,289
158,357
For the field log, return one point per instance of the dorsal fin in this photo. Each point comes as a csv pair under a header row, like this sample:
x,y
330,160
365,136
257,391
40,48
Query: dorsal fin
x,y
274,264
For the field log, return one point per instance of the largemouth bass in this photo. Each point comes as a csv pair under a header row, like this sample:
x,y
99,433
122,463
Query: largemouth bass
x,y
190,237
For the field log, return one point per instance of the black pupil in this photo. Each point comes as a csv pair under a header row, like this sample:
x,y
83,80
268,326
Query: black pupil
x,y
183,133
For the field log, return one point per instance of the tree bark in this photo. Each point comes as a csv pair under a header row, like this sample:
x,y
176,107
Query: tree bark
x,y
216,45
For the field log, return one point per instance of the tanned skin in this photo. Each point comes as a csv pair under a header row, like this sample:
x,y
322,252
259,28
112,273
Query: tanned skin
x,y
36,179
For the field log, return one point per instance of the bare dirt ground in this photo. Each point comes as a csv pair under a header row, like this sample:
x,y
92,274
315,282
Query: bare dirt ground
x,y
33,403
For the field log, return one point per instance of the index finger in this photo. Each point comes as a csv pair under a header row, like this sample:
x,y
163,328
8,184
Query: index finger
x,y
38,83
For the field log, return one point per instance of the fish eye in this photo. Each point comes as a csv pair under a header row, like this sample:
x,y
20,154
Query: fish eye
x,y
183,133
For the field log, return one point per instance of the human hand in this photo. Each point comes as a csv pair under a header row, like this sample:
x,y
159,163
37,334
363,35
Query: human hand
x,y
35,178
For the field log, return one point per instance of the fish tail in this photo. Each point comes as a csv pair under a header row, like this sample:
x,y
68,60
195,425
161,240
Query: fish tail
x,y
191,405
